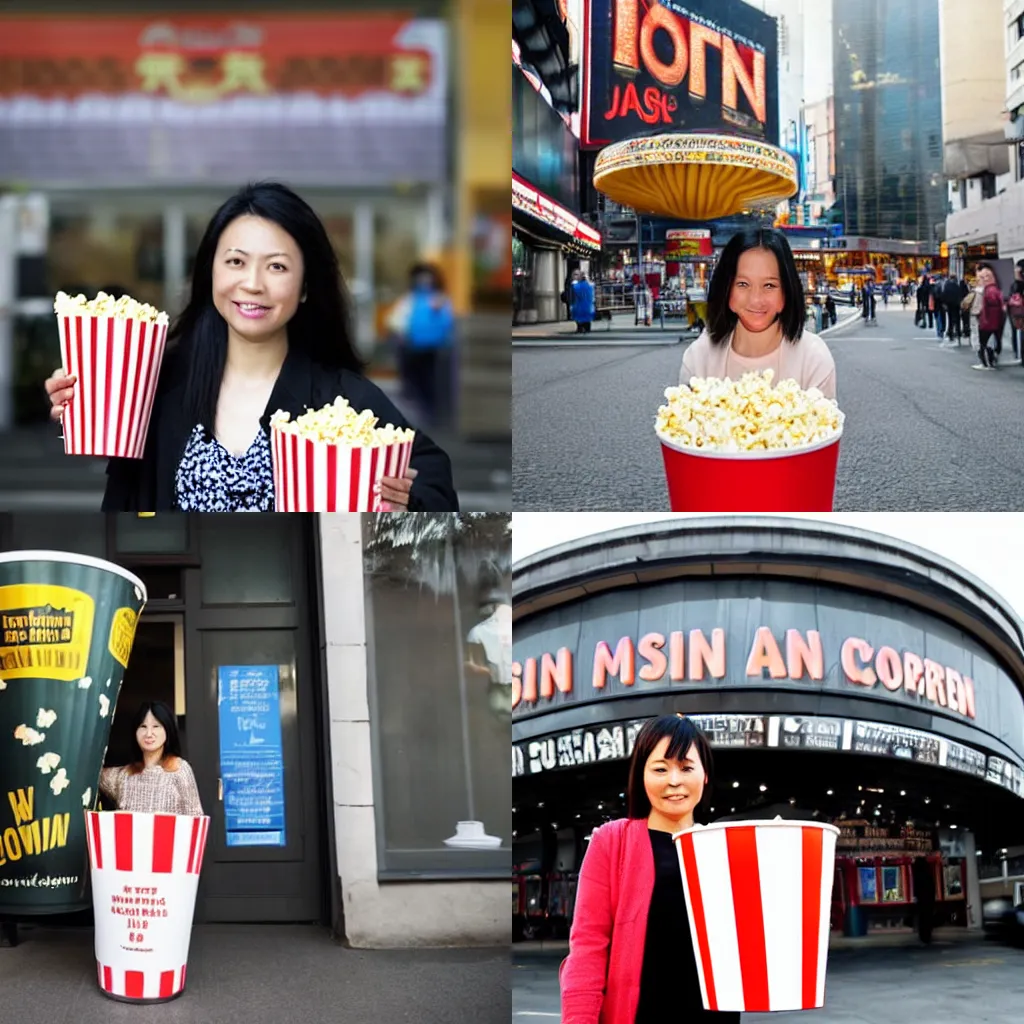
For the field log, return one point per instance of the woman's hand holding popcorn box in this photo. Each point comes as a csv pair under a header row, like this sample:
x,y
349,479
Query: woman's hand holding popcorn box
x,y
111,351
744,445
333,459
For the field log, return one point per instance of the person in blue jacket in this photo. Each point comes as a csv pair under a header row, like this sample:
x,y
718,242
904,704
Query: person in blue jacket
x,y
583,304
267,327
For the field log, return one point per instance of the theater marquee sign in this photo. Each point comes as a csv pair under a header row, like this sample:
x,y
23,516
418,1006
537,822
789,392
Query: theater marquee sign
x,y
765,634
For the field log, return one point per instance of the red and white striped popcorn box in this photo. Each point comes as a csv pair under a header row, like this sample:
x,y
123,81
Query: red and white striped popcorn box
x,y
759,895
318,476
117,363
145,874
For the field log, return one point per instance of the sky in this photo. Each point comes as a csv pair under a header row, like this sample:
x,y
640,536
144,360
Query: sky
x,y
990,545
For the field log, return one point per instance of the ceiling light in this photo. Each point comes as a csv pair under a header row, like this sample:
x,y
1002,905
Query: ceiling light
x,y
735,785
828,792
927,799
903,792
952,826
762,787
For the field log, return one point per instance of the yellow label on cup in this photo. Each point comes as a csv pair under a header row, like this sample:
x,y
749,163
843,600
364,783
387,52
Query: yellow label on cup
x,y
122,634
45,631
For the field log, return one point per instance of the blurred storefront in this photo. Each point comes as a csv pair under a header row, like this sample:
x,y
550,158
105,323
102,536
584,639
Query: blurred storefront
x,y
131,129
363,628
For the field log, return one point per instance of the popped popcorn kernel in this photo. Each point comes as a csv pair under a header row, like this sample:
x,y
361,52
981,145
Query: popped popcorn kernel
x,y
48,762
747,415
28,736
124,308
60,782
45,718
338,423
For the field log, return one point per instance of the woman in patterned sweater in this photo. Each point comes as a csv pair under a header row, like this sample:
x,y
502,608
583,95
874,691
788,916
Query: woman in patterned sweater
x,y
159,780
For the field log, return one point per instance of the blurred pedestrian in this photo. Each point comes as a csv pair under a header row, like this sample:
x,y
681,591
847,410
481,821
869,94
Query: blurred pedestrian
x,y
1015,309
923,875
267,328
582,304
868,301
921,317
830,308
939,305
951,302
990,321
966,302
886,288
570,280
423,323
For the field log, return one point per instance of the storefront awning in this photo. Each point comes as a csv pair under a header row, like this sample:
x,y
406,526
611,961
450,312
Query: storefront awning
x,y
539,215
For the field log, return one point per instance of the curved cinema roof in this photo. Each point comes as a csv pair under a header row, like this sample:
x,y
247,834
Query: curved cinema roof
x,y
772,546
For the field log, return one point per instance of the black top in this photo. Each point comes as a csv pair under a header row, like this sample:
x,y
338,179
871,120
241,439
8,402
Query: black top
x,y
211,479
669,984
148,484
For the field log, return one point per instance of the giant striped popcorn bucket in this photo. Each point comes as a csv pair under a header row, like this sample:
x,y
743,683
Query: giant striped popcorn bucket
x,y
117,363
317,476
759,896
145,873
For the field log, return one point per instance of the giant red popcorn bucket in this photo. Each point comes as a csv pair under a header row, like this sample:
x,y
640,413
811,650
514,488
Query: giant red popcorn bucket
x,y
782,480
145,874
117,363
318,476
759,895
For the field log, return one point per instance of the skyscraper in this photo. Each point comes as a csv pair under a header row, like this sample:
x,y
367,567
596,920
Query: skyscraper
x,y
888,114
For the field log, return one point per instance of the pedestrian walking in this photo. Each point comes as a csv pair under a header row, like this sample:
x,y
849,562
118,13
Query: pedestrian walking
x,y
571,278
630,954
424,322
921,316
966,302
1015,310
951,302
830,309
756,318
868,301
939,306
990,320
582,304
923,875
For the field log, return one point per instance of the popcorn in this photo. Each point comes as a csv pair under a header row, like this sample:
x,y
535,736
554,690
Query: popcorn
x,y
85,682
48,762
87,797
60,782
124,308
3,685
28,736
340,424
747,415
45,718
104,705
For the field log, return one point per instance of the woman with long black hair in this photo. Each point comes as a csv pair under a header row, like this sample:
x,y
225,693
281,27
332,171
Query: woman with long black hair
x,y
266,328
158,780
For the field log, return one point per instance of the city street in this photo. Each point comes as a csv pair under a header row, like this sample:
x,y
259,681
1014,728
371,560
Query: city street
x,y
923,430
891,980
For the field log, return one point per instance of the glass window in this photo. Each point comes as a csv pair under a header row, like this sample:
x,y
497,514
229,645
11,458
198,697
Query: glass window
x,y
83,533
396,248
230,574
439,620
152,534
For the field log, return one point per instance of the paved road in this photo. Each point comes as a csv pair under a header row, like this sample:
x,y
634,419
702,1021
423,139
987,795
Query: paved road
x,y
979,981
923,432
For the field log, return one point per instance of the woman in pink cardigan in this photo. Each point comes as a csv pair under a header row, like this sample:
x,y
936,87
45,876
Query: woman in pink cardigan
x,y
756,318
630,956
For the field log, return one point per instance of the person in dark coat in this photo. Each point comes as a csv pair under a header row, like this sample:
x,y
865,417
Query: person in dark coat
x,y
266,328
923,874
990,323
951,300
923,316
965,314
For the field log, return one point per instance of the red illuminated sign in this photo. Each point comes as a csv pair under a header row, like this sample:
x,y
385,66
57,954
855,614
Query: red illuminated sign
x,y
534,203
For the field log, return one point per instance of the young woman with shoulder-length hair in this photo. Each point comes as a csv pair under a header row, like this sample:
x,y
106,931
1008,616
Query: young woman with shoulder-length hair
x,y
631,957
756,318
266,328
158,780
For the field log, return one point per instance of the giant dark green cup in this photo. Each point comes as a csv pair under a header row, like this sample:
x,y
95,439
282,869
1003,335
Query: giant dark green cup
x,y
67,623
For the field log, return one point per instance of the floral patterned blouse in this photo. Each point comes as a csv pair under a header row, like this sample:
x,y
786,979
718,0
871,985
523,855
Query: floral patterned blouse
x,y
154,790
211,479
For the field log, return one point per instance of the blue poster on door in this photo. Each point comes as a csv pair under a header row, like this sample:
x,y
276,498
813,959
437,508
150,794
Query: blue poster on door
x,y
251,760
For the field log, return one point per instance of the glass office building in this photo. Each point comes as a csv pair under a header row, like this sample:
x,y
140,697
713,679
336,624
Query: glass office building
x,y
888,117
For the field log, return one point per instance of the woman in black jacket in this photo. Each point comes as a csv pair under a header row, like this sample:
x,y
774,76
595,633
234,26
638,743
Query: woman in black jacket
x,y
266,328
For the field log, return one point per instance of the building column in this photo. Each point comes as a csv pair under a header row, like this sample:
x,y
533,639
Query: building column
x,y
362,288
973,890
175,236
547,286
